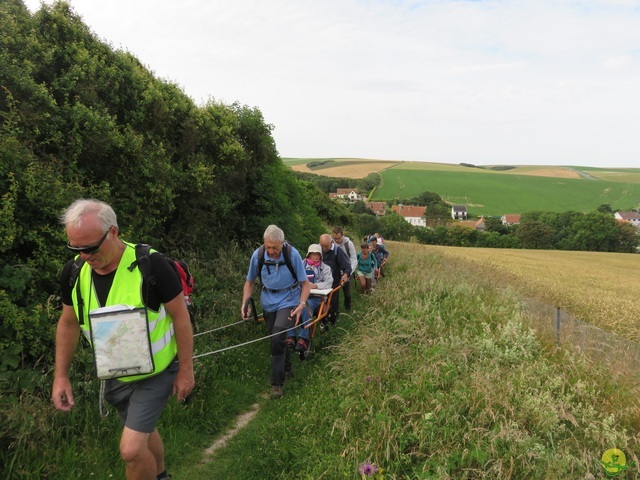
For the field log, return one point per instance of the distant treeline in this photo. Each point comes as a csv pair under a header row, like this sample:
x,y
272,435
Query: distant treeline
x,y
493,167
331,184
593,232
319,163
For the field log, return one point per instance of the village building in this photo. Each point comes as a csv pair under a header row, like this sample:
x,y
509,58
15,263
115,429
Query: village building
x,y
472,224
412,214
349,194
511,219
459,212
379,208
630,217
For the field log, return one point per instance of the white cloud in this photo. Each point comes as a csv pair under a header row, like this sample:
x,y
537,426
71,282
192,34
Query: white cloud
x,y
523,81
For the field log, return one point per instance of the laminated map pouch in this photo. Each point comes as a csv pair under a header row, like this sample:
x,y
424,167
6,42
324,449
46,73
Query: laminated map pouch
x,y
121,342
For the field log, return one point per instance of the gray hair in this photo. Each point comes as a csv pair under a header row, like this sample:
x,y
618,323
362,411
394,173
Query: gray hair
x,y
274,234
74,214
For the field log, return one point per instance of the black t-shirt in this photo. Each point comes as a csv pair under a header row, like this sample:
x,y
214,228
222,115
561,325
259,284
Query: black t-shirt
x,y
166,289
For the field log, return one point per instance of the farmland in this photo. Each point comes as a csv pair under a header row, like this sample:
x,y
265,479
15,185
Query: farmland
x,y
343,167
492,190
497,194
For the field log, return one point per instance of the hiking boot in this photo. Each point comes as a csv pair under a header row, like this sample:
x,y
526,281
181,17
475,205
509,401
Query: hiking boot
x,y
276,392
302,345
290,342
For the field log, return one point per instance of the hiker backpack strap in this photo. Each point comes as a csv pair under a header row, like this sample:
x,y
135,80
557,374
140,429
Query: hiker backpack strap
x,y
73,278
286,253
260,261
143,252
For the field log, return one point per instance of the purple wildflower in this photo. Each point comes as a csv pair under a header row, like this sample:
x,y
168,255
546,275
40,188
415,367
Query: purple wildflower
x,y
367,468
368,379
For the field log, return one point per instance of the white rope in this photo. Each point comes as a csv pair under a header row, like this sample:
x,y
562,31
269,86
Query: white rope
x,y
246,343
219,328
304,325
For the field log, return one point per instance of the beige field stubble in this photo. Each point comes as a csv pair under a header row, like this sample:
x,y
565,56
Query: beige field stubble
x,y
347,169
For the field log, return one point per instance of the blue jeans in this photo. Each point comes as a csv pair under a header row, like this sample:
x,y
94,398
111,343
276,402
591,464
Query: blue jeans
x,y
300,332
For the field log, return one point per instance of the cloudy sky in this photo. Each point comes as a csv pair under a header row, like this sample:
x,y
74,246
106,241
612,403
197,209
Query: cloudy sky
x,y
524,82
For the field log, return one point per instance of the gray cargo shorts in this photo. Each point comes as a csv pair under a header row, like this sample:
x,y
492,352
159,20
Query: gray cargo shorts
x,y
140,403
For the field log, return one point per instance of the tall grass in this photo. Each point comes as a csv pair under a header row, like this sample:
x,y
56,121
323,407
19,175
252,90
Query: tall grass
x,y
437,375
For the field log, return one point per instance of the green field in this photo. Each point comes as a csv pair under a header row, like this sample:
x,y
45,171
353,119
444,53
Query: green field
x,y
493,193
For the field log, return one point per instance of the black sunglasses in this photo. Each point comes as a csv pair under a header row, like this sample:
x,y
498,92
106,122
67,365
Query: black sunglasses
x,y
89,250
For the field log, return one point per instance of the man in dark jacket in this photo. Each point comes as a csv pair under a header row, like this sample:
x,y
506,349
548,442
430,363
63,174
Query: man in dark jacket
x,y
346,245
381,254
340,265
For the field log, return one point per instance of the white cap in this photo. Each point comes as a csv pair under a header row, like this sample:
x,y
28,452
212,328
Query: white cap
x,y
314,248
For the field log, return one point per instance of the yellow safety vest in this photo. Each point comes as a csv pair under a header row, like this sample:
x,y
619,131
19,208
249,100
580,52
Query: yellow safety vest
x,y
127,290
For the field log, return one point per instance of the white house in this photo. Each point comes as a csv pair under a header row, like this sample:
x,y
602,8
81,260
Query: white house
x,y
413,215
459,212
631,217
350,194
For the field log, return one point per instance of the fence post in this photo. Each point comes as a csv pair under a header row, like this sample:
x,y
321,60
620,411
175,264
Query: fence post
x,y
558,325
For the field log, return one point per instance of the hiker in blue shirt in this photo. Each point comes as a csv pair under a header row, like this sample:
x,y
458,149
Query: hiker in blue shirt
x,y
320,278
285,290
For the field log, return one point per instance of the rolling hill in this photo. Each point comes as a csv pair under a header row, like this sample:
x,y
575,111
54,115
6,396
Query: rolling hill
x,y
492,190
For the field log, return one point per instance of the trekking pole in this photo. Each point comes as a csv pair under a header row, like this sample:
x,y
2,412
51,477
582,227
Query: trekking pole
x,y
252,303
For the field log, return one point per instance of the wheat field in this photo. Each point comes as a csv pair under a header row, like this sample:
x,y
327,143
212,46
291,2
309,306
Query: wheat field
x,y
602,289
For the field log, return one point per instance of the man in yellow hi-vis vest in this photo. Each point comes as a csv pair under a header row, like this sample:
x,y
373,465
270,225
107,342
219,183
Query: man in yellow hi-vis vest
x,y
153,337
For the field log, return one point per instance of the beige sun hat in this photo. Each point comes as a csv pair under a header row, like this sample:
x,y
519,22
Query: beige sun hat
x,y
314,248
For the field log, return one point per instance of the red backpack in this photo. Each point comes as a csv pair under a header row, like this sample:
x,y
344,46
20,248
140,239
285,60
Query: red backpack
x,y
179,266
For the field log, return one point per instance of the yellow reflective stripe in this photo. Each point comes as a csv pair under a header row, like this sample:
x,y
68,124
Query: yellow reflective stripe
x,y
162,314
162,341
